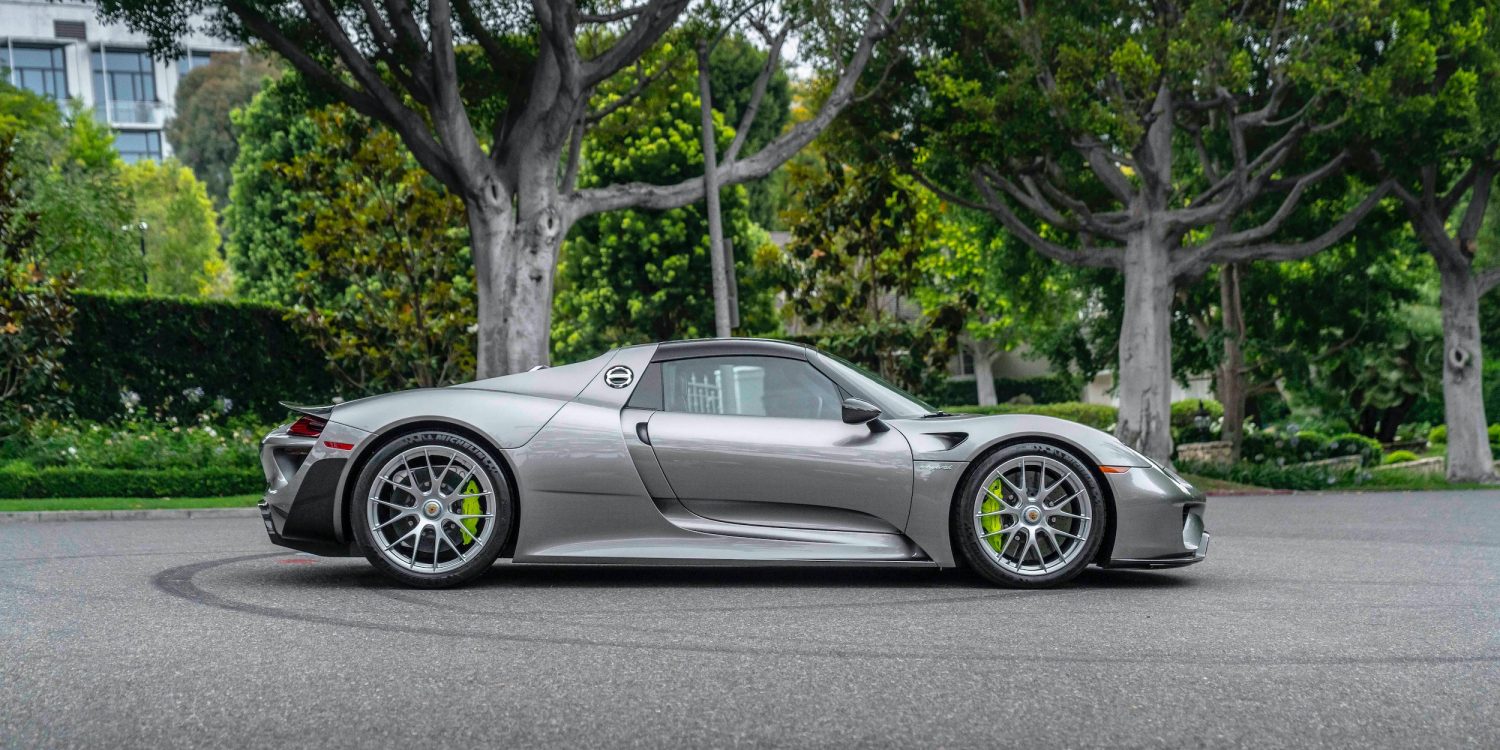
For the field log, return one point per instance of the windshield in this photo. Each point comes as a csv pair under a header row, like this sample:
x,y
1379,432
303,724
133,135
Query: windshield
x,y
893,401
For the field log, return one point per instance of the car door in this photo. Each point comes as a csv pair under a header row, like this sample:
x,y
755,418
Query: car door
x,y
760,439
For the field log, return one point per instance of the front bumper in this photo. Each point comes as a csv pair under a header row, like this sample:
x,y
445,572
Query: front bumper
x,y
1159,520
301,507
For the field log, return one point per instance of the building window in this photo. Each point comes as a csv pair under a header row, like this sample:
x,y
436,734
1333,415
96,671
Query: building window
x,y
124,85
135,145
191,61
40,70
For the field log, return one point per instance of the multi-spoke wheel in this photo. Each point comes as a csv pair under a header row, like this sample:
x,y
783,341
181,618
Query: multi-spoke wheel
x,y
1029,515
433,509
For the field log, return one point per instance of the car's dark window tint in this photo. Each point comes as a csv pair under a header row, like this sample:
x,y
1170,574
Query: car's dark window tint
x,y
749,386
647,394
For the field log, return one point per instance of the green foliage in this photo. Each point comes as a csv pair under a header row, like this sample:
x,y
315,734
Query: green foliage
x,y
391,242
201,133
1047,389
634,276
133,445
1351,444
900,351
1398,457
69,179
1438,435
1185,412
27,482
264,219
187,361
182,234
35,314
1098,416
330,215
1274,476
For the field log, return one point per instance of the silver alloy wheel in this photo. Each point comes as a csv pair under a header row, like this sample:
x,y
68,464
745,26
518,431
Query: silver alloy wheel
x,y
431,507
1033,515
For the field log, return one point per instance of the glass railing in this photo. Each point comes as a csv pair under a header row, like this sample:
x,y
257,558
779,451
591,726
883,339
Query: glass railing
x,y
130,113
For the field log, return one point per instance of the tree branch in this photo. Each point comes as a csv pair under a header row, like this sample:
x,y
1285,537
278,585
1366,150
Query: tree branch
x,y
757,93
651,22
1194,265
1097,258
775,153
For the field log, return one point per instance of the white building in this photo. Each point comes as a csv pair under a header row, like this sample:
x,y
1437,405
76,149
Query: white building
x,y
62,50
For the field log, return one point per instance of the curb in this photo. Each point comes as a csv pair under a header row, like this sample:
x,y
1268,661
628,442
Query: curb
x,y
159,514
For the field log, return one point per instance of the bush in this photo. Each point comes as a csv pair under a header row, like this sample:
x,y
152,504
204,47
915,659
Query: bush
x,y
1276,446
1270,475
1185,412
1050,389
1308,445
1397,457
1099,416
26,482
1350,444
1439,436
133,446
180,359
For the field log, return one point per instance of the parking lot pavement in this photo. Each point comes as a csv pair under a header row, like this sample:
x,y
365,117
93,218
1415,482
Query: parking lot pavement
x,y
1332,620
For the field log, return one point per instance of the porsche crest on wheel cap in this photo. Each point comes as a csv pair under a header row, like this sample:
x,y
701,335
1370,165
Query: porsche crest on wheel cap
x,y
618,376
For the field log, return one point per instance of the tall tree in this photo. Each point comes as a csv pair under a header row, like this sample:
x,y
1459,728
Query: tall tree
x,y
1438,79
1139,137
201,133
493,98
182,229
633,276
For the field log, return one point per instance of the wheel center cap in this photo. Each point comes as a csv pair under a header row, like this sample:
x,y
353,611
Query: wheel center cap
x,y
1032,514
432,508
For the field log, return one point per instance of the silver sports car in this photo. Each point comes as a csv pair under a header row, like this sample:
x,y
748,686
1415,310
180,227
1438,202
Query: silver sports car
x,y
719,451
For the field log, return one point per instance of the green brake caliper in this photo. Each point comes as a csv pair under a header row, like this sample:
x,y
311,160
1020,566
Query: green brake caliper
x,y
992,524
471,508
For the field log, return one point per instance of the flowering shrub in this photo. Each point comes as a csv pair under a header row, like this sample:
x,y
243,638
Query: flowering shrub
x,y
134,445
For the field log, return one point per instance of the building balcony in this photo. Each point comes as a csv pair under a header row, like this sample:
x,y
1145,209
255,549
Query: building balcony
x,y
152,114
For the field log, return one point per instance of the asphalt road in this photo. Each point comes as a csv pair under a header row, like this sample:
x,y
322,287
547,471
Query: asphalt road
x,y
1363,620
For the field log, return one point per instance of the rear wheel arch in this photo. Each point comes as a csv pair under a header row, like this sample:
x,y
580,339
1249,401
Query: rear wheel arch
x,y
371,447
1106,544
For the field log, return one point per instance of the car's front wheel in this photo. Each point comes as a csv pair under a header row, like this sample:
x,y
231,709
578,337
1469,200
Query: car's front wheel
x,y
1029,515
432,509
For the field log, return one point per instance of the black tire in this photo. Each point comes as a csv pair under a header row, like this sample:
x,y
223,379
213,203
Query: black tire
x,y
981,555
482,548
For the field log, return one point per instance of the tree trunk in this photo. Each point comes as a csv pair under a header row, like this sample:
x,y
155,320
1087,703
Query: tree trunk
x,y
1145,373
1232,370
984,371
1469,458
515,252
711,197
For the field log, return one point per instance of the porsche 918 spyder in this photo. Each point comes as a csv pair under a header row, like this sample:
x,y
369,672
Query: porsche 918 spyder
x,y
717,451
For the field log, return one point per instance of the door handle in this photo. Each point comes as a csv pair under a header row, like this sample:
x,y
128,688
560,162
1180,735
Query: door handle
x,y
640,432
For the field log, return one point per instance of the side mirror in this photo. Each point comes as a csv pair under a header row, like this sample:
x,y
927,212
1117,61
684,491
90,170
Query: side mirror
x,y
857,411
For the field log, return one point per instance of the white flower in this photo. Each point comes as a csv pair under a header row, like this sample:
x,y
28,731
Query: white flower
x,y
130,399
194,393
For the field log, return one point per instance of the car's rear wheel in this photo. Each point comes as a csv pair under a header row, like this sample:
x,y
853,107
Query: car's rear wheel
x,y
432,509
1030,515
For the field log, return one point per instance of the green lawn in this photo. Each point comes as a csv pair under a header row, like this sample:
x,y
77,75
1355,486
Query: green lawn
x,y
128,503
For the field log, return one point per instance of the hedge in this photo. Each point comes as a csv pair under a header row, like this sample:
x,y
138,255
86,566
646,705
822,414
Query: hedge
x,y
184,357
1048,389
1101,416
26,482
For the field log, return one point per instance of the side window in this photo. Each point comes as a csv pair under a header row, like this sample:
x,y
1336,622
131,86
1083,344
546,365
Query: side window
x,y
749,386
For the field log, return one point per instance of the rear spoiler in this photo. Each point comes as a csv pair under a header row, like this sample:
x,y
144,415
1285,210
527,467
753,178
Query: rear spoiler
x,y
316,412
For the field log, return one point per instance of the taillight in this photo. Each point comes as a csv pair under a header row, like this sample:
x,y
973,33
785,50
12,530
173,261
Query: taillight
x,y
307,427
